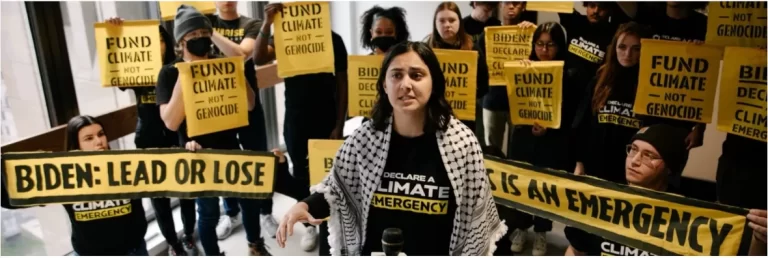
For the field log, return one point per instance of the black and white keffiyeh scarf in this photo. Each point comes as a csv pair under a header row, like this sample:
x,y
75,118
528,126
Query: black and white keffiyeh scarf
x,y
357,171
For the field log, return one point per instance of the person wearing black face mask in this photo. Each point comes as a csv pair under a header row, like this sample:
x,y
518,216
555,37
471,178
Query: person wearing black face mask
x,y
193,36
383,28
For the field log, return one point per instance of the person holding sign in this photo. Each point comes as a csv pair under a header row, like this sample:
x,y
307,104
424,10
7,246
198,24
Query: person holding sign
x,y
104,228
413,166
449,33
193,36
481,17
151,133
383,28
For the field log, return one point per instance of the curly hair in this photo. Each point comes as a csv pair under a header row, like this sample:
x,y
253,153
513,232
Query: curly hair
x,y
395,14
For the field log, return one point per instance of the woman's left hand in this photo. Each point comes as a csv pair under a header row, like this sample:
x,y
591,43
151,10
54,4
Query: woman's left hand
x,y
526,24
193,146
538,130
757,221
525,62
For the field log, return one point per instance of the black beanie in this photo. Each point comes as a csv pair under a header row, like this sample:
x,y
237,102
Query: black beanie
x,y
187,20
669,141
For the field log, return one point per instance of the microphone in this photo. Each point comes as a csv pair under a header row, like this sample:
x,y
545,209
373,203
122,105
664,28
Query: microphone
x,y
392,241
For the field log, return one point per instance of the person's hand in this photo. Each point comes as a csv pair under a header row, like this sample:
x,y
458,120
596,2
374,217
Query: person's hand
x,y
193,146
270,11
525,62
757,221
336,133
579,171
695,138
279,154
526,24
538,130
298,213
117,21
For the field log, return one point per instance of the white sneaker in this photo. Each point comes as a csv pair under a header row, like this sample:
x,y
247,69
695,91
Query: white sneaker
x,y
269,224
309,241
226,225
539,244
518,240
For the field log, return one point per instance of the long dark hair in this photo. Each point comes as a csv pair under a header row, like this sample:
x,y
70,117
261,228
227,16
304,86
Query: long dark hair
x,y
438,111
557,34
464,39
170,52
607,73
73,128
396,14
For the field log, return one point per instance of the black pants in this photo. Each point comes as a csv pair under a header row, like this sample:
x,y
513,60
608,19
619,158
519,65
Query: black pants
x,y
299,127
252,137
164,216
741,181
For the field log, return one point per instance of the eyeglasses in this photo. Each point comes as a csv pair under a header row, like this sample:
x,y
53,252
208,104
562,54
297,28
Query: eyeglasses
x,y
646,158
548,45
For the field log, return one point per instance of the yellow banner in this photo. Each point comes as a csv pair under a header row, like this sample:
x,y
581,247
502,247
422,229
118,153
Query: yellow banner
x,y
168,8
504,44
535,92
67,177
303,39
656,222
677,80
130,54
550,6
740,24
362,74
460,70
215,97
742,104
321,155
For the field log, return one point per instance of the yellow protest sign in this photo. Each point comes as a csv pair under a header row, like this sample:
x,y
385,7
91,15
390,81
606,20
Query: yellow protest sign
x,y
550,6
504,44
460,71
168,8
677,80
303,39
215,97
742,104
129,54
321,155
362,74
66,177
655,222
740,24
535,92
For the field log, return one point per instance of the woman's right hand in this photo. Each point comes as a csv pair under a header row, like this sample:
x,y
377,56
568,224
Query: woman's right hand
x,y
526,24
298,213
525,62
117,21
193,146
270,11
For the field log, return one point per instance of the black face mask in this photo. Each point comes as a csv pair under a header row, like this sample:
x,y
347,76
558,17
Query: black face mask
x,y
199,46
384,42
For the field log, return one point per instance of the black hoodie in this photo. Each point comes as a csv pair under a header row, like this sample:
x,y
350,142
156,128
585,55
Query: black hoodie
x,y
150,129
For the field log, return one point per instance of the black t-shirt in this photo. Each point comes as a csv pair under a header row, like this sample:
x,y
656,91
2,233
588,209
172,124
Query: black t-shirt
x,y
476,28
693,27
235,30
587,44
414,195
150,129
224,140
316,93
115,227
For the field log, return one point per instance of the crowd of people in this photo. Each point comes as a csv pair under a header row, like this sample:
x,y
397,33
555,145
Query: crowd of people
x,y
413,136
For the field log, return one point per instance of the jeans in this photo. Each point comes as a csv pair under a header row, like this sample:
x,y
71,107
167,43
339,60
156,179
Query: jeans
x,y
139,251
164,215
208,209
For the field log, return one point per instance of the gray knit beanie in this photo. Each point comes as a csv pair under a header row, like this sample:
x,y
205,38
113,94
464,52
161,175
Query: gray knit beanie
x,y
187,20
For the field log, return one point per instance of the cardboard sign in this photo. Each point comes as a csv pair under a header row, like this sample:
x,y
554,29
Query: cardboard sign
x,y
362,74
655,222
677,80
737,24
68,177
504,44
168,8
303,39
321,155
742,105
550,6
460,71
535,92
130,54
215,95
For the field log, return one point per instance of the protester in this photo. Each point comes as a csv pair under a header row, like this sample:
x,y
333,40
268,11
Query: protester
x,y
449,33
383,28
151,133
495,103
193,36
544,147
409,139
235,35
315,108
121,234
481,17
